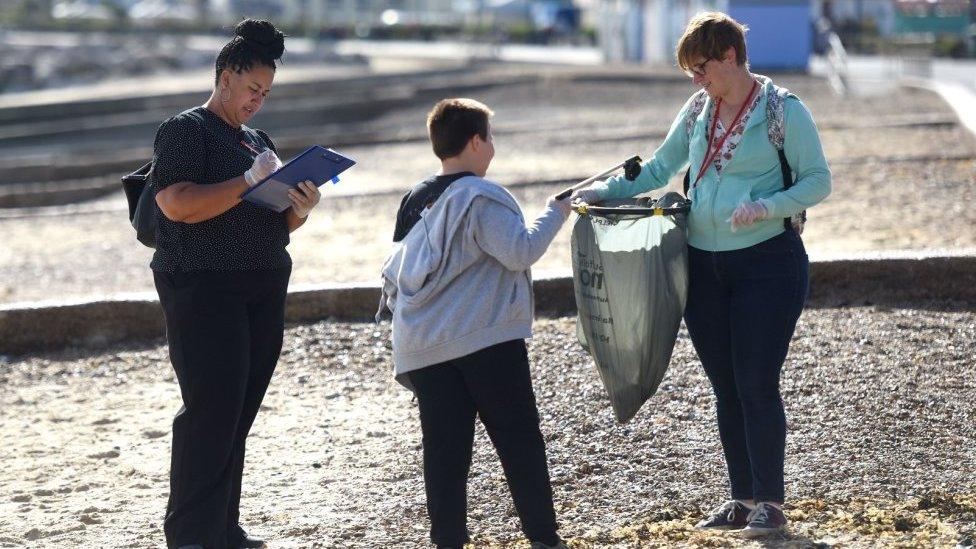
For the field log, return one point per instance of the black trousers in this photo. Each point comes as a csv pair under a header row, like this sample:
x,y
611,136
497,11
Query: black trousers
x,y
224,331
493,383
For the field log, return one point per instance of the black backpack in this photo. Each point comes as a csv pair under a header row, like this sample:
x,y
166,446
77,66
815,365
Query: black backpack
x,y
142,203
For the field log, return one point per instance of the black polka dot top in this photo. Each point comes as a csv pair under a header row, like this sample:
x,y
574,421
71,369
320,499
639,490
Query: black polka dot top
x,y
198,146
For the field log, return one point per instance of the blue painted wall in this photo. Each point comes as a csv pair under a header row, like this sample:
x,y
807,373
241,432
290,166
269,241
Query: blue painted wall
x,y
780,33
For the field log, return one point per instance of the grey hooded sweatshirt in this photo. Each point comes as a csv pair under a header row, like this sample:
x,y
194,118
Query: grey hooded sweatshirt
x,y
460,280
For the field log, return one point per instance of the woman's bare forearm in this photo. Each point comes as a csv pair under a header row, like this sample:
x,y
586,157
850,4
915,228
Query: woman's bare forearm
x,y
190,202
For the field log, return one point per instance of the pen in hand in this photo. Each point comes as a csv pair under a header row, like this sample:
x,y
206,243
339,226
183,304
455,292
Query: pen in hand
x,y
251,148
265,164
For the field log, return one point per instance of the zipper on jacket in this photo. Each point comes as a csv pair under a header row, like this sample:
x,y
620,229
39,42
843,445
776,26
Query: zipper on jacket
x,y
718,179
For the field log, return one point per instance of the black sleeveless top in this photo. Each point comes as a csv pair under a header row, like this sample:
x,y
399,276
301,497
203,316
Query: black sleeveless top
x,y
198,146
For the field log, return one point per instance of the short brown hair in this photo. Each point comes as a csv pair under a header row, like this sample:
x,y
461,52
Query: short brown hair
x,y
453,122
709,35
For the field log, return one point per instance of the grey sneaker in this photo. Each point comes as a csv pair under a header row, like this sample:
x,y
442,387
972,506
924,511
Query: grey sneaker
x,y
731,515
765,519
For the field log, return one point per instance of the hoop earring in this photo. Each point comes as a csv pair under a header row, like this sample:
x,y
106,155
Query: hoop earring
x,y
222,98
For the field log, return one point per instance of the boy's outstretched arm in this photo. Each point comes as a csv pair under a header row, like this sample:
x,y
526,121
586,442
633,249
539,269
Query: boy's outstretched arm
x,y
501,233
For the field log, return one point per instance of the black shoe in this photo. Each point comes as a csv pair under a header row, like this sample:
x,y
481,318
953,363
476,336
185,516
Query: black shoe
x,y
731,515
194,546
765,519
238,538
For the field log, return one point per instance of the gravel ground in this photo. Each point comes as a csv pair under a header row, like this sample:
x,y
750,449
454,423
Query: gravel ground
x,y
915,183
880,450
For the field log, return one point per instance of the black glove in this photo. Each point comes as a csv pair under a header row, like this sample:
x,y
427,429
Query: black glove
x,y
632,168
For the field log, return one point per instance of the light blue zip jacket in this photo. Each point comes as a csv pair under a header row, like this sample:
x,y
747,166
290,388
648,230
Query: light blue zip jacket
x,y
753,173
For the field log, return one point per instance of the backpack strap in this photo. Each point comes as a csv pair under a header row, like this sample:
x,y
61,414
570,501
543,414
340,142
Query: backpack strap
x,y
776,126
691,116
267,140
775,116
694,111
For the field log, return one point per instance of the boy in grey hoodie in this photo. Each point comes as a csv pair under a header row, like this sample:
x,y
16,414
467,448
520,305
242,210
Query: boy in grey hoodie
x,y
460,289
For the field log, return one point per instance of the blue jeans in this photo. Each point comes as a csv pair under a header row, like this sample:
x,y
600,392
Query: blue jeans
x,y
742,309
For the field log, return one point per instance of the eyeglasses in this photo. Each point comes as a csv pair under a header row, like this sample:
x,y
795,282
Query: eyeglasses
x,y
698,69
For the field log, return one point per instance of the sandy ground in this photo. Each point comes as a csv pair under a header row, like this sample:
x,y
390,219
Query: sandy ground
x,y
880,449
894,187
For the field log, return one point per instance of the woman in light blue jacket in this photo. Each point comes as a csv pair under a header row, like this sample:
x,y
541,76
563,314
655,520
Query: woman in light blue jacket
x,y
756,164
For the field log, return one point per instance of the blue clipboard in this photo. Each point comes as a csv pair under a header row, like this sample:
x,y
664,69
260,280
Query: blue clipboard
x,y
317,164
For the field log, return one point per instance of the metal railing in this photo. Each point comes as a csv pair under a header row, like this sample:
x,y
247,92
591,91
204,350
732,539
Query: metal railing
x,y
836,57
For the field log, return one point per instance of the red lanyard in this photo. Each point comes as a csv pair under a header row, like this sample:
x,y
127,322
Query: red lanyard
x,y
712,152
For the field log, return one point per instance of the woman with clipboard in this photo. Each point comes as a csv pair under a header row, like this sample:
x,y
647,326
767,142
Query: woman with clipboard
x,y
221,270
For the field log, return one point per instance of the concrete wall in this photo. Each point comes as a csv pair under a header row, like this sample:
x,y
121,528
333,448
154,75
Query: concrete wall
x,y
909,279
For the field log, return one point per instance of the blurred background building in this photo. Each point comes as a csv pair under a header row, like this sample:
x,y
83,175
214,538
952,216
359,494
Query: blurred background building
x,y
780,35
315,17
783,33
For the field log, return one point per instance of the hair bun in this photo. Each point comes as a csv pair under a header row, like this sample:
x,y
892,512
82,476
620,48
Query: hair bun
x,y
262,36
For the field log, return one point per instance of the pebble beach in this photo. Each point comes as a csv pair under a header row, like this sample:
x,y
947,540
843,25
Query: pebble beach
x,y
881,448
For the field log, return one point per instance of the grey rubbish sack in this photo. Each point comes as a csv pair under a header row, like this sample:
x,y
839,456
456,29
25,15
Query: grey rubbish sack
x,y
630,275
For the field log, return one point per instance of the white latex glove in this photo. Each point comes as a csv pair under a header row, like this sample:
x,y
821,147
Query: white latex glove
x,y
584,195
304,197
264,165
563,205
748,213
